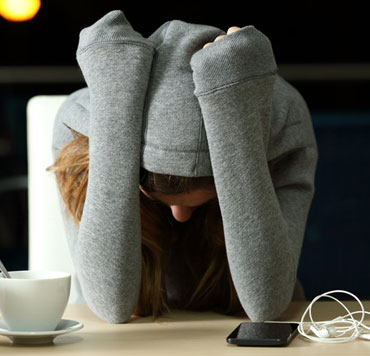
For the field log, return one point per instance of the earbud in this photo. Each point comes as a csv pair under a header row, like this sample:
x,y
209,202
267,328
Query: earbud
x,y
364,336
323,332
341,329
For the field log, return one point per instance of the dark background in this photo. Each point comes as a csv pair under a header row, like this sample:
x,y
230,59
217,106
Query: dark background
x,y
301,31
326,43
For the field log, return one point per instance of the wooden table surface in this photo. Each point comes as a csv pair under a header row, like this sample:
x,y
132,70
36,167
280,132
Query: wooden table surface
x,y
182,333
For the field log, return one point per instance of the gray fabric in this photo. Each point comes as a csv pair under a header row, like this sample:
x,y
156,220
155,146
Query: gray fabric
x,y
173,107
173,128
116,63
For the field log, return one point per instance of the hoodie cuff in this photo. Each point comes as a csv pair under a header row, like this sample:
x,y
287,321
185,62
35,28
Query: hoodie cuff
x,y
242,55
111,28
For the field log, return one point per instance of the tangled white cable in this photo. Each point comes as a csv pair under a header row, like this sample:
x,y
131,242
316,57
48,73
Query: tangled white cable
x,y
341,329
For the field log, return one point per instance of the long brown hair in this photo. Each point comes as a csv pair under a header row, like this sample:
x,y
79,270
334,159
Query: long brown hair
x,y
197,246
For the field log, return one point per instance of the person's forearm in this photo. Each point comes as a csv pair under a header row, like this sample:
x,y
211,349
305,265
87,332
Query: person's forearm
x,y
108,251
234,83
261,257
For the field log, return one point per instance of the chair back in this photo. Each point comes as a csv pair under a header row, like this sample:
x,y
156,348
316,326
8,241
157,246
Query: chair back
x,y
48,248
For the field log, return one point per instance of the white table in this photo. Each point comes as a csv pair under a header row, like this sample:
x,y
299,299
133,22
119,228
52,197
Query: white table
x,y
181,333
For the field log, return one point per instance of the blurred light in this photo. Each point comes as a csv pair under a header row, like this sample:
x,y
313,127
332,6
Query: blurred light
x,y
19,10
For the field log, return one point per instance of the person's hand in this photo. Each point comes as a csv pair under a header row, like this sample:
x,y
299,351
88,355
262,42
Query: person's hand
x,y
229,31
237,55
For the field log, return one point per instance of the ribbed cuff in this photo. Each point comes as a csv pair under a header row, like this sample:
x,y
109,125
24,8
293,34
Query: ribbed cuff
x,y
240,56
112,28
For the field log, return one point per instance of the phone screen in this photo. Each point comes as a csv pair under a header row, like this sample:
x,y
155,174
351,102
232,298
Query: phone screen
x,y
263,334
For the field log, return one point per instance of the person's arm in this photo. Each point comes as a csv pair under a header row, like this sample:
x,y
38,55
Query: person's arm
x,y
115,61
264,214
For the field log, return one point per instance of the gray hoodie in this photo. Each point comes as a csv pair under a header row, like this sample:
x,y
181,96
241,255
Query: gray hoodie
x,y
171,106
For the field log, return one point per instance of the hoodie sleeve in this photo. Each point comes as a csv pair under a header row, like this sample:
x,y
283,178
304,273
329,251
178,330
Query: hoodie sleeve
x,y
115,61
264,203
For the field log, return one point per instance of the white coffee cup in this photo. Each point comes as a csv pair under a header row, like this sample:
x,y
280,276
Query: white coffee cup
x,y
34,300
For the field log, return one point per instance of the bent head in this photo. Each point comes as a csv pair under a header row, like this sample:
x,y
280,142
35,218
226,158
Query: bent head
x,y
181,194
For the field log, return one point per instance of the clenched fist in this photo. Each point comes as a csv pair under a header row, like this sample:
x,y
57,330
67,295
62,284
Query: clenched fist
x,y
229,31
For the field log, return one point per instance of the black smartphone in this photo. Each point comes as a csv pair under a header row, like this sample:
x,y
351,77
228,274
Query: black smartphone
x,y
263,334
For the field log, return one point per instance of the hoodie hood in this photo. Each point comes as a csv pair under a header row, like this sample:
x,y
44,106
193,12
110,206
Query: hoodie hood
x,y
174,139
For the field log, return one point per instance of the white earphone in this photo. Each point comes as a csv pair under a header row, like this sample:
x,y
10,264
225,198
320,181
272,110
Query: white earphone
x,y
341,329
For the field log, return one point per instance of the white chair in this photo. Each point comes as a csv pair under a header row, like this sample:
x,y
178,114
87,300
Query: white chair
x,y
48,247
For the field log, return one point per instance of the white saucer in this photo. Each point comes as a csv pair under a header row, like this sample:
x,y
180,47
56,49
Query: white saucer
x,y
40,337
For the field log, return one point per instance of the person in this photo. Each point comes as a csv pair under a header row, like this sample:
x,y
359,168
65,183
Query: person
x,y
186,171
